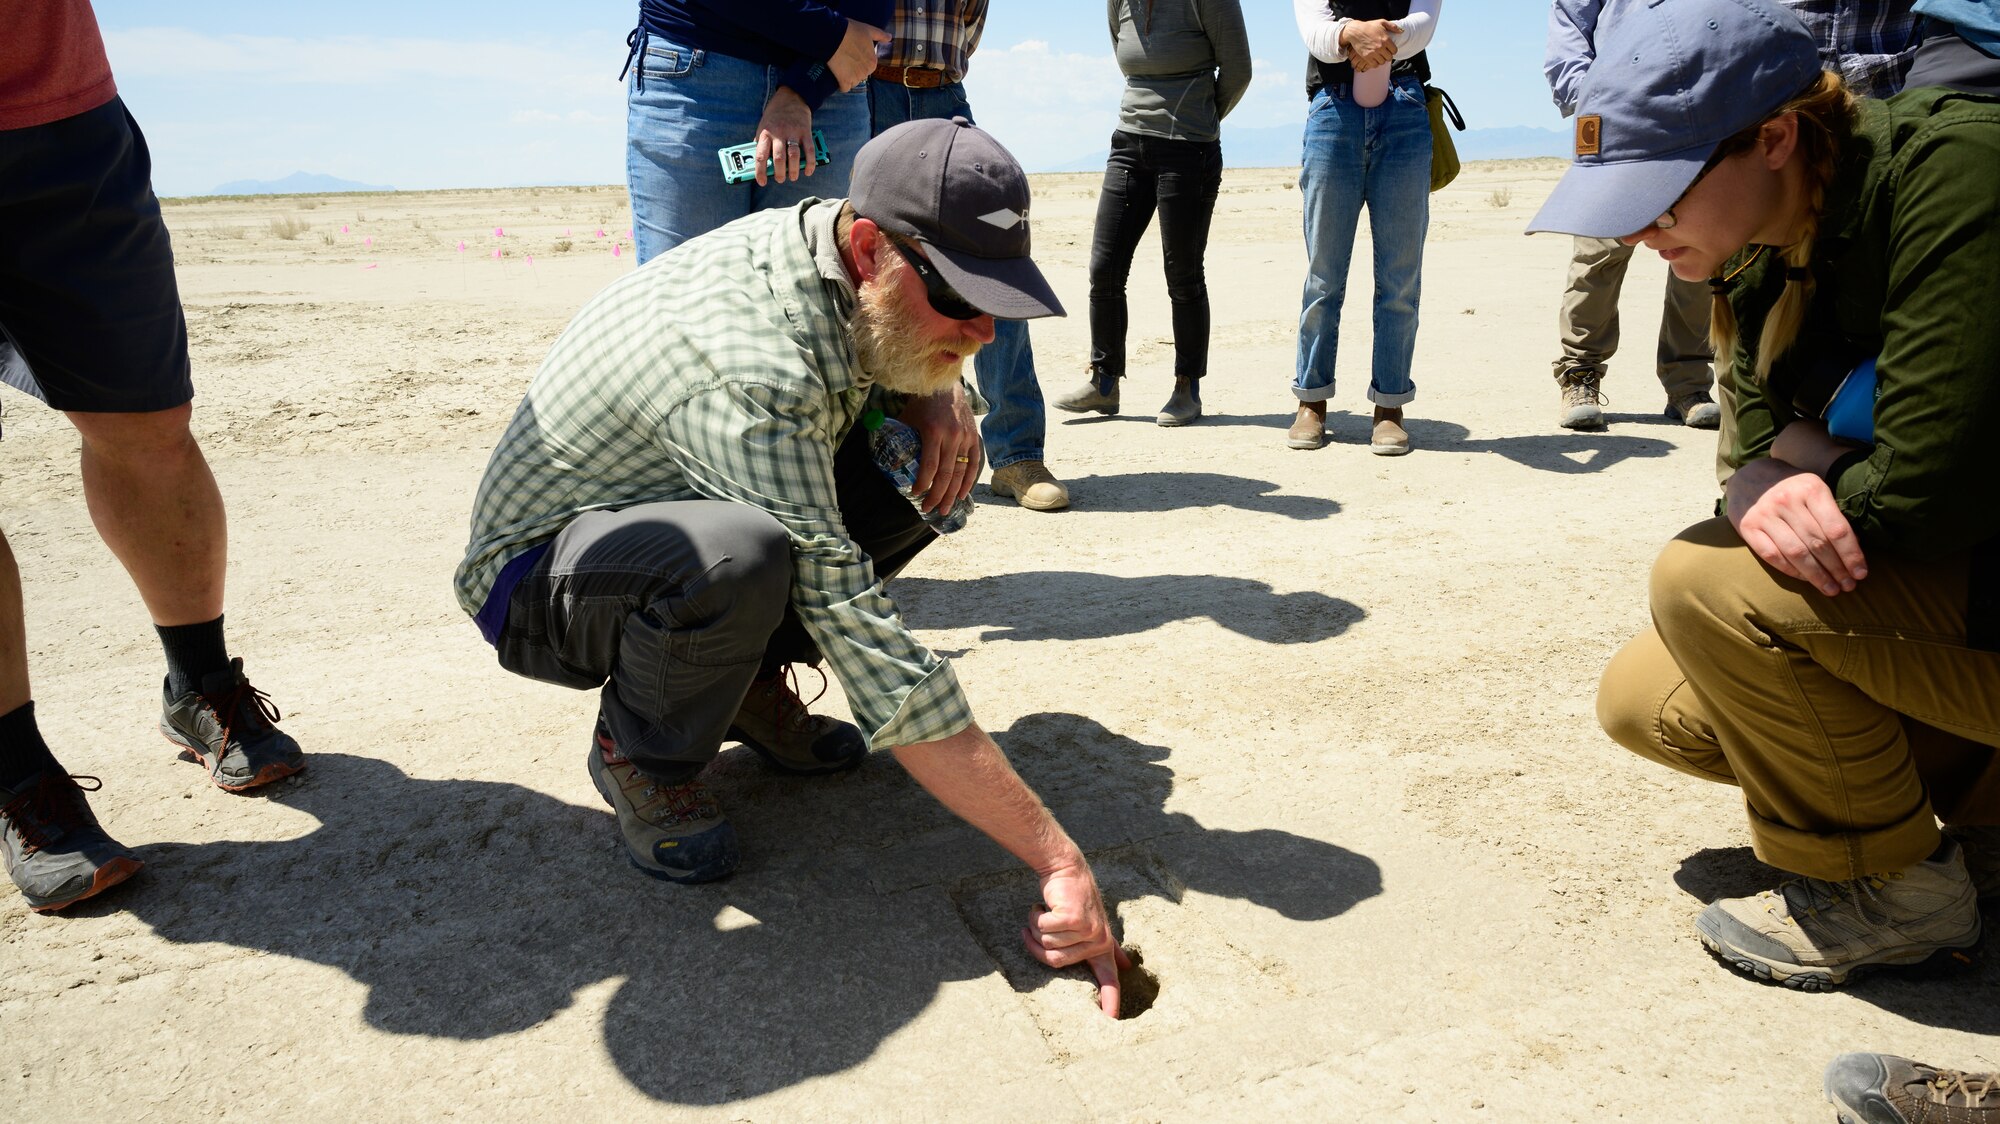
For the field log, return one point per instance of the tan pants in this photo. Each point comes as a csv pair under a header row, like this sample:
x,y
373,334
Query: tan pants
x,y
1850,722
1589,321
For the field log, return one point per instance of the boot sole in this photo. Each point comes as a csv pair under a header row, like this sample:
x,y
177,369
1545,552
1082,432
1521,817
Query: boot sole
x,y
661,874
1105,410
1175,423
1592,420
1389,450
105,877
1031,505
275,771
1803,978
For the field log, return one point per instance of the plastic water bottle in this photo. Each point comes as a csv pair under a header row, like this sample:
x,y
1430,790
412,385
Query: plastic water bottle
x,y
898,450
1371,87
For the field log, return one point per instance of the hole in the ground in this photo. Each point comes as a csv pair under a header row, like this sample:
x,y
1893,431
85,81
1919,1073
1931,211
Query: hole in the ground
x,y
1137,987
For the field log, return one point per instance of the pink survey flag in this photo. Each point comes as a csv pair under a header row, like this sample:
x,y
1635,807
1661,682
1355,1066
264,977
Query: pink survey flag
x,y
600,232
499,233
496,253
370,265
461,245
343,228
614,249
368,241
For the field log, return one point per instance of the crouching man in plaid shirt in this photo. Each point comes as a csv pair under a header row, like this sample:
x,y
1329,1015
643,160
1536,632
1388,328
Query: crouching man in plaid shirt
x,y
685,504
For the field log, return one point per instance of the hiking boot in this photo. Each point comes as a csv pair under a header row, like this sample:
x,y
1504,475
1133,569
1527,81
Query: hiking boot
x,y
1812,935
774,722
1309,428
1099,394
1032,486
54,849
230,728
1389,438
1183,405
1885,1089
1982,859
1697,410
1582,400
674,832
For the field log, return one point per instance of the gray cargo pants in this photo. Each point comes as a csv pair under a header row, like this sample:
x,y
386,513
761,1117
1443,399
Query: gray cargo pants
x,y
672,609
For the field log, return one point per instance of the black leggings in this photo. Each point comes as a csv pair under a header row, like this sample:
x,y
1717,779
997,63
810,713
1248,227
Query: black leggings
x,y
1179,178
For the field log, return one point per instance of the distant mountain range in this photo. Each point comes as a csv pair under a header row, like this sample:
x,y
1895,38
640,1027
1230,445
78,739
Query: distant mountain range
x,y
1278,146
298,183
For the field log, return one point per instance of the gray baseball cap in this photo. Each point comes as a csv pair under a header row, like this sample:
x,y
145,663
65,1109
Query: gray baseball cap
x,y
1672,80
950,186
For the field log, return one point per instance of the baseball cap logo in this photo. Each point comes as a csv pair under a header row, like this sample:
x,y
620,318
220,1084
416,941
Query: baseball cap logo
x,y
1004,218
1589,134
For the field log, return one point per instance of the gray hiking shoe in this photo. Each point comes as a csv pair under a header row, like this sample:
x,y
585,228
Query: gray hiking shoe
x,y
54,849
1696,410
231,729
1812,935
1100,393
675,832
1982,859
1582,399
1885,1089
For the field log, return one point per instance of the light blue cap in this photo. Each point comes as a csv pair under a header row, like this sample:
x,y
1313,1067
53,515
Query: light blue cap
x,y
1672,80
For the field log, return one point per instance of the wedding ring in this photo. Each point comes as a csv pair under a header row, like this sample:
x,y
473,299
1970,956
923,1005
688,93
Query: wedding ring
x,y
965,460
791,144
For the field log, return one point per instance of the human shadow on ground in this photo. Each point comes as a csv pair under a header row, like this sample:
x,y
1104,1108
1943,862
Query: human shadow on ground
x,y
1948,994
1177,491
472,909
1078,605
1569,452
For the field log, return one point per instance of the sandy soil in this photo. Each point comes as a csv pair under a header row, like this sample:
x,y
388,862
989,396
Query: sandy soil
x,y
1323,721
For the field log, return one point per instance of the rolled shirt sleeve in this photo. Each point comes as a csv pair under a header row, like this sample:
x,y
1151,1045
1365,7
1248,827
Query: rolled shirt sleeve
x,y
1571,49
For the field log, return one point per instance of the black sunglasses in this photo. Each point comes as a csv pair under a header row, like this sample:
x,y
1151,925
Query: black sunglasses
x,y
945,301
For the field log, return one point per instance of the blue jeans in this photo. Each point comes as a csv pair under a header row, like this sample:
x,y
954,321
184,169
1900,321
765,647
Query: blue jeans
x,y
1380,157
682,106
1015,425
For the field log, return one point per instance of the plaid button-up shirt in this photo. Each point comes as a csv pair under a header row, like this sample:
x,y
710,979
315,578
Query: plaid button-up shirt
x,y
1870,42
935,33
723,371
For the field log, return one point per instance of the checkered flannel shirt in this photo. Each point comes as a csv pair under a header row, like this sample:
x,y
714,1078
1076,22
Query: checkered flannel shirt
x,y
721,370
941,33
1871,42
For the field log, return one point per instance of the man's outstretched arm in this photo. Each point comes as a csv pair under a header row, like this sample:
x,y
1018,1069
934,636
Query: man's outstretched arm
x,y
969,774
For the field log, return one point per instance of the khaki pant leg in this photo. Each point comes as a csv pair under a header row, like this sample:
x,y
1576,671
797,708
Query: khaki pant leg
x,y
1808,697
1686,357
1644,703
1588,322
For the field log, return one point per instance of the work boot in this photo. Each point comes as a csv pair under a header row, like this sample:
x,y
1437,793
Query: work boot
x,y
1885,1089
1696,410
51,843
1982,859
1100,393
1389,438
1308,428
1032,486
1184,405
1812,935
673,832
230,728
1582,399
774,722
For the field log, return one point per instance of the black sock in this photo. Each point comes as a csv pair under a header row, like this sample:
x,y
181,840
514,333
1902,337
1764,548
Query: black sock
x,y
23,753
193,650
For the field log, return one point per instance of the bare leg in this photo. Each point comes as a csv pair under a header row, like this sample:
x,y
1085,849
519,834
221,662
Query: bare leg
x,y
156,506
13,633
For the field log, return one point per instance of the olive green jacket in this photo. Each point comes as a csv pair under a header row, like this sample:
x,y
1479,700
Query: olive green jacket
x,y
1906,268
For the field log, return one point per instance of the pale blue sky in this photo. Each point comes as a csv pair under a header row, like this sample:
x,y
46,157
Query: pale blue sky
x,y
453,93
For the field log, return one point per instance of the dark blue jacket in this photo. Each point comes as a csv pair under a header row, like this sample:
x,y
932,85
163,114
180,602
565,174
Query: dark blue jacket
x,y
797,36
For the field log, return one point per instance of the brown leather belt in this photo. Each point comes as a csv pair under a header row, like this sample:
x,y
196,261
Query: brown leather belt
x,y
913,77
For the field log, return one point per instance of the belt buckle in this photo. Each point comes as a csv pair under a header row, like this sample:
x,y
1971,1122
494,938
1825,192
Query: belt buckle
x,y
907,84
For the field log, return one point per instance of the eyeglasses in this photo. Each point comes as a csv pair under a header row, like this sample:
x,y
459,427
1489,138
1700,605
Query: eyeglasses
x,y
945,300
1724,151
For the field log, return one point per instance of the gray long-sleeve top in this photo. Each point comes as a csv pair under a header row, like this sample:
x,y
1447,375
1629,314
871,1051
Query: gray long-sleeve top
x,y
1186,64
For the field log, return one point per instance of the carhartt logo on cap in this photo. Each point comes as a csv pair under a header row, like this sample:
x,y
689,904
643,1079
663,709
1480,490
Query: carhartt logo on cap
x,y
1004,219
1589,134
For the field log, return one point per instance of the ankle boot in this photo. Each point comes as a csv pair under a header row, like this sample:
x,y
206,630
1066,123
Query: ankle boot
x,y
1389,438
1185,404
1308,428
1100,393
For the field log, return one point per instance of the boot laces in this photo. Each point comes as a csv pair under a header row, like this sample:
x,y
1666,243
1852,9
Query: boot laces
x,y
1808,898
54,807
1583,388
789,709
247,701
1971,1088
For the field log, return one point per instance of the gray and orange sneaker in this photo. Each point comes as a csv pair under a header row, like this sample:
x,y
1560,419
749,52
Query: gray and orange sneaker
x,y
52,844
674,832
774,722
1886,1089
231,729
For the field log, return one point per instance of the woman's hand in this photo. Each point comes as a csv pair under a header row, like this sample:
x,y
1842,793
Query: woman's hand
x,y
784,136
1788,518
1369,43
